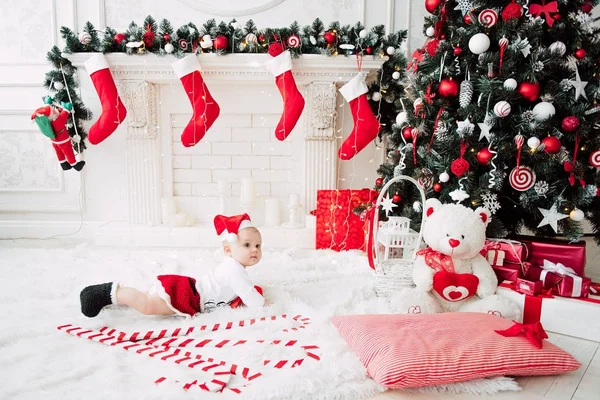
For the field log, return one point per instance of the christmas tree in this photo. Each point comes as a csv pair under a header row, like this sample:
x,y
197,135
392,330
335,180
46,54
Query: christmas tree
x,y
500,109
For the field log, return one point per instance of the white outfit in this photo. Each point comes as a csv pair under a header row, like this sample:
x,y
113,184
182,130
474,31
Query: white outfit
x,y
222,286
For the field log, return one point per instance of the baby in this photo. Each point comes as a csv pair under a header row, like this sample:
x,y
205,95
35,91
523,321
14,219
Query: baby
x,y
228,285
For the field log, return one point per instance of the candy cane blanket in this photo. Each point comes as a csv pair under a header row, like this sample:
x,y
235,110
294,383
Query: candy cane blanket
x,y
288,350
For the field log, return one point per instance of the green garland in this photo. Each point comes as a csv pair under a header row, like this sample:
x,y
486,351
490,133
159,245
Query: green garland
x,y
225,38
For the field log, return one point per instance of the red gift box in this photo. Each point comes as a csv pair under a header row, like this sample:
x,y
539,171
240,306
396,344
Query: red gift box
x,y
507,273
562,280
338,228
557,251
531,288
515,252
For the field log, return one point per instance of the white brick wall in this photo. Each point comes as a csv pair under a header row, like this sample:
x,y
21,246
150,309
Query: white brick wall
x,y
237,146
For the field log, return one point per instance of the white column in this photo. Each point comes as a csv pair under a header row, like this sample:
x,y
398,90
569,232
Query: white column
x,y
320,144
143,151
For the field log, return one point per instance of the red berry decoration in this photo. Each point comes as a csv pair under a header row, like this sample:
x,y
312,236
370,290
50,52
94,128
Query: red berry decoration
x,y
484,156
551,144
330,37
457,51
407,133
530,91
512,11
557,17
119,37
220,42
459,167
431,5
369,50
580,53
467,18
587,7
166,37
396,198
437,187
448,88
148,38
379,181
570,124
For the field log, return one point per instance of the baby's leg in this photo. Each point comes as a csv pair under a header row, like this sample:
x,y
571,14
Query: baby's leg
x,y
144,303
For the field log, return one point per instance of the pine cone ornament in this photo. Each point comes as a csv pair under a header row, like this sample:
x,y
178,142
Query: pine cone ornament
x,y
466,93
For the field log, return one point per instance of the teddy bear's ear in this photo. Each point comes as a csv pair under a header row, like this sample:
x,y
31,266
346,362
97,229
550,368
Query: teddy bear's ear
x,y
485,215
431,205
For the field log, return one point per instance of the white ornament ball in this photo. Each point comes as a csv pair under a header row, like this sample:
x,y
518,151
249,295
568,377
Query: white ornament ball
x,y
479,43
444,177
577,215
206,42
77,138
396,75
533,142
401,118
390,50
85,38
251,38
58,86
376,96
543,111
313,41
510,84
502,109
558,47
363,34
242,46
169,48
417,206
430,31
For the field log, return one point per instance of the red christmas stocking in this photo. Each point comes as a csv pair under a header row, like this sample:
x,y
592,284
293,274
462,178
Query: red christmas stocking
x,y
366,126
293,102
205,109
113,110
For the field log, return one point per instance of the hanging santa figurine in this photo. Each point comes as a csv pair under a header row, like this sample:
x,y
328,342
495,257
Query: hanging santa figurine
x,y
52,121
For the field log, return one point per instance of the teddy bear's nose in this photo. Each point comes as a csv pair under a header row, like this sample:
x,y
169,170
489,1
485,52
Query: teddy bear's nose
x,y
454,243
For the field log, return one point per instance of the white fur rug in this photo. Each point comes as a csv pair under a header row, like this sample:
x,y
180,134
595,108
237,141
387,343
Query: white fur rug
x,y
39,290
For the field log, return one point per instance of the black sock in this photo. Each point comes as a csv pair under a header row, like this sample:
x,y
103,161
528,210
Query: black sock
x,y
94,298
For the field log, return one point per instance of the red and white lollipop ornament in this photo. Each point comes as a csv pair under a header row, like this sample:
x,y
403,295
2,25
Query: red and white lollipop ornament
x,y
595,159
521,178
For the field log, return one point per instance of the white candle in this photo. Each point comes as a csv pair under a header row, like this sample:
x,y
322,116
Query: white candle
x,y
248,191
294,200
223,187
272,214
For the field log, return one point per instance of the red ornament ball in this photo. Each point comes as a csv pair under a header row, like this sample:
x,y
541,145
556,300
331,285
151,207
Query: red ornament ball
x,y
459,167
530,91
587,7
570,124
275,49
448,88
148,38
369,50
119,37
166,37
467,18
261,38
551,144
220,42
457,51
330,37
379,181
580,53
396,198
598,192
557,17
431,5
407,133
437,187
484,156
512,11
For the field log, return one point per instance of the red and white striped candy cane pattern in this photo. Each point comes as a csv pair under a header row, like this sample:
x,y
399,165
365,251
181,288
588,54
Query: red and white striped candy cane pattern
x,y
522,178
169,344
595,159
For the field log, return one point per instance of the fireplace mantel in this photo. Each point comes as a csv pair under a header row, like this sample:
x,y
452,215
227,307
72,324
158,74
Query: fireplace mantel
x,y
241,67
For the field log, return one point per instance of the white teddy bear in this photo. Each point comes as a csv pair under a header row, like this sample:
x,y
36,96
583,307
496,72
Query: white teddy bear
x,y
450,274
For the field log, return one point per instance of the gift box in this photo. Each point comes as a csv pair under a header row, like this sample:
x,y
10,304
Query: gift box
x,y
577,317
555,250
531,288
507,273
338,227
496,257
515,252
562,280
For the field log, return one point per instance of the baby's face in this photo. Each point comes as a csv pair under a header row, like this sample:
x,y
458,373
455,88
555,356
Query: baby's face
x,y
248,248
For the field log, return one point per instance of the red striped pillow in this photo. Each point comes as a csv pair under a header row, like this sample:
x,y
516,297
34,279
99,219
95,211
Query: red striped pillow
x,y
403,351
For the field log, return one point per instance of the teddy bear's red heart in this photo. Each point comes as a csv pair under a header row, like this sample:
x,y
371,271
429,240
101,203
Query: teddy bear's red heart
x,y
455,287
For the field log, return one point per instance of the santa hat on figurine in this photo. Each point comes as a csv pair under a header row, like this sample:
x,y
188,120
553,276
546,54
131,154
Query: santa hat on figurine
x,y
228,227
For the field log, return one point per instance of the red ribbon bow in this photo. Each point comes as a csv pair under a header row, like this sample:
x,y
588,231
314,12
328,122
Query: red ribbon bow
x,y
436,260
535,333
417,57
539,9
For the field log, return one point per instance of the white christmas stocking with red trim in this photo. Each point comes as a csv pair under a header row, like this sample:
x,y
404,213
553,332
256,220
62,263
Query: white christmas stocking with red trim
x,y
293,102
205,109
366,126
113,110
